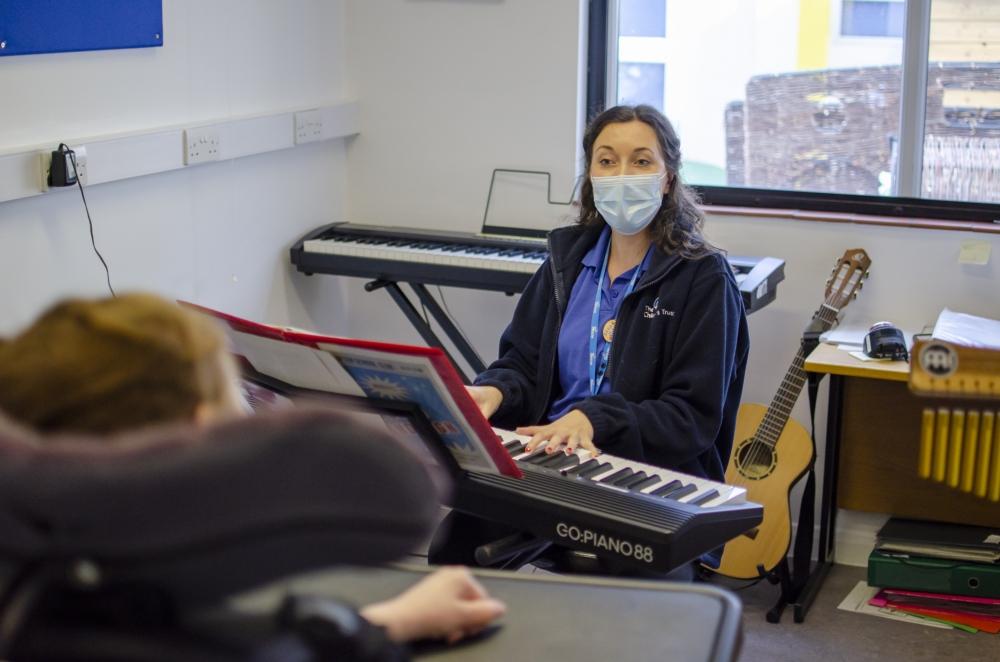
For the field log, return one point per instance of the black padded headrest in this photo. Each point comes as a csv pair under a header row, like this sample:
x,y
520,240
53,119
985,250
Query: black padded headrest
x,y
208,512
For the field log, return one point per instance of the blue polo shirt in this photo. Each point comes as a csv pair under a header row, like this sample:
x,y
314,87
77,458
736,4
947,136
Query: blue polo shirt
x,y
573,351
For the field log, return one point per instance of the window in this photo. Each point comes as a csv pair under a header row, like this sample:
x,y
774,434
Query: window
x,y
815,103
872,18
642,18
640,82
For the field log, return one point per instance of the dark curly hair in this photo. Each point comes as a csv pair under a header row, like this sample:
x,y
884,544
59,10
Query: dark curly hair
x,y
677,226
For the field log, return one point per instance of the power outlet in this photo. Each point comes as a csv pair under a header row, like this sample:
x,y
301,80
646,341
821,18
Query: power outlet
x,y
45,165
201,145
308,126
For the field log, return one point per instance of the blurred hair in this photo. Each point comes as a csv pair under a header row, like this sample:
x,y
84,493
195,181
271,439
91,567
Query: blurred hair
x,y
677,225
102,366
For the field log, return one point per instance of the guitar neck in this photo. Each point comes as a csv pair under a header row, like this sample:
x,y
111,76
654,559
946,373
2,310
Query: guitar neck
x,y
791,386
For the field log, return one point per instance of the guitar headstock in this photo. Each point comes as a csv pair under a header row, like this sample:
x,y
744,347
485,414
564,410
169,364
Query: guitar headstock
x,y
847,277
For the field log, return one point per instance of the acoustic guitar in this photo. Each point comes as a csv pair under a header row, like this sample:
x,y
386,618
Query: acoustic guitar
x,y
772,452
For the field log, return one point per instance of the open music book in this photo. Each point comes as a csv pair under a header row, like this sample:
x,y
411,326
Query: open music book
x,y
387,371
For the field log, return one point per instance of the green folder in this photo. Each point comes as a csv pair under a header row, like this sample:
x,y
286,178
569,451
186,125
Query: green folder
x,y
920,573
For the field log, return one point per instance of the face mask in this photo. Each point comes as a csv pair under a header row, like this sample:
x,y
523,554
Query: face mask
x,y
628,202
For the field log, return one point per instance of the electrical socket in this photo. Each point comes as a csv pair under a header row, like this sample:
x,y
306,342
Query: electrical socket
x,y
308,126
81,164
201,145
45,163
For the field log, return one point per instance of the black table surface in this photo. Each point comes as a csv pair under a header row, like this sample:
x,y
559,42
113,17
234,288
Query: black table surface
x,y
553,617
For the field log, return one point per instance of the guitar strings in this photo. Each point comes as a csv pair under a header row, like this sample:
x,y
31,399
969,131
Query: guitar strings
x,y
758,454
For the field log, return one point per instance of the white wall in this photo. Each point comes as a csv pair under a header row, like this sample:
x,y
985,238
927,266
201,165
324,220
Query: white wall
x,y
215,233
451,89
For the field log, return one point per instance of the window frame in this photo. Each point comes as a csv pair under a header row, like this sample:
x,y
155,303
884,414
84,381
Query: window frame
x,y
601,92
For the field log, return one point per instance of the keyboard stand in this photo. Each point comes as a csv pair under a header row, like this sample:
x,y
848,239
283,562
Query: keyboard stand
x,y
425,330
511,552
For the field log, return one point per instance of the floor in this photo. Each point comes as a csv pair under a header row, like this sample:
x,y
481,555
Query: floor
x,y
832,634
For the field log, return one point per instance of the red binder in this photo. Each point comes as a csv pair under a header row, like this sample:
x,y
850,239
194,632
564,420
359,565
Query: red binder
x,y
376,369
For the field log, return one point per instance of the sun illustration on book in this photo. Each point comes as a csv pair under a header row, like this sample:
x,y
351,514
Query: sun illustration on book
x,y
385,388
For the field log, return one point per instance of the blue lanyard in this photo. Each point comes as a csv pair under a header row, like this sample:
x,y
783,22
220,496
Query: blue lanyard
x,y
599,368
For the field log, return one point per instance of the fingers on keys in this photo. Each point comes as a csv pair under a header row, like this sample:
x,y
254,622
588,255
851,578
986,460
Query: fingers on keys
x,y
551,441
588,445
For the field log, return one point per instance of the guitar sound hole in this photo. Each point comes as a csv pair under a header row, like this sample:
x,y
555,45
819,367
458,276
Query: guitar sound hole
x,y
755,459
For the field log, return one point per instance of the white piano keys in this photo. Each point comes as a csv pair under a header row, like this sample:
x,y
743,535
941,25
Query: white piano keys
x,y
459,258
727,494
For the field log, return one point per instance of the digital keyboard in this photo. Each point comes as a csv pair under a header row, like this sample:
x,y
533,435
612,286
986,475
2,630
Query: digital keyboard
x,y
461,259
629,513
625,475
421,256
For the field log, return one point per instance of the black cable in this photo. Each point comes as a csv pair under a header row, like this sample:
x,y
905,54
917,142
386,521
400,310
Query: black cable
x,y
90,222
707,574
444,302
751,584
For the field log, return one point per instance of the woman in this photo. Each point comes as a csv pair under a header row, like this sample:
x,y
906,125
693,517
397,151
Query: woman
x,y
631,338
113,365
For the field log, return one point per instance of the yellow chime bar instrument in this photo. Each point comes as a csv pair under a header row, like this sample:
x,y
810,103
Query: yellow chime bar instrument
x,y
960,442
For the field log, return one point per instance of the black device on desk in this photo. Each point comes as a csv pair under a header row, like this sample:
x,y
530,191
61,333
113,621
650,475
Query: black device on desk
x,y
391,255
885,341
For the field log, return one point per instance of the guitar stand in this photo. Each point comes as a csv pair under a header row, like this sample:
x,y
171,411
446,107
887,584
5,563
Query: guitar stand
x,y
799,581
782,576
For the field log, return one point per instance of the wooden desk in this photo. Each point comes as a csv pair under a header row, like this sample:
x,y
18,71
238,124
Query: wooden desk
x,y
874,421
832,360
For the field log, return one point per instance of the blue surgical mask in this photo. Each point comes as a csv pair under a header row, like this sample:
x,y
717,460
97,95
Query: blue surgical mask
x,y
628,202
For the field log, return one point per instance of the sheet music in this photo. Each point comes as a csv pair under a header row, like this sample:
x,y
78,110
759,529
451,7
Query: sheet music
x,y
298,365
393,376
967,330
378,370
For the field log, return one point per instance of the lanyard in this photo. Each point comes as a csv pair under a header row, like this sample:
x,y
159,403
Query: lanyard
x,y
599,368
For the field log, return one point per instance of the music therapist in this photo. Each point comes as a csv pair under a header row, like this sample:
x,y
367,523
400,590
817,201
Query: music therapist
x,y
631,338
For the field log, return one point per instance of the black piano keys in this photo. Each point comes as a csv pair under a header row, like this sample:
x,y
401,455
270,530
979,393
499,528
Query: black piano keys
x,y
625,478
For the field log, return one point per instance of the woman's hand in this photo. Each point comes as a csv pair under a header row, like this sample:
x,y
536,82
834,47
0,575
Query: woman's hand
x,y
573,429
448,604
488,398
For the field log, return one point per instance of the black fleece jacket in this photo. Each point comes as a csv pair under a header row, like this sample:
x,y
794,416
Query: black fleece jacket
x,y
676,364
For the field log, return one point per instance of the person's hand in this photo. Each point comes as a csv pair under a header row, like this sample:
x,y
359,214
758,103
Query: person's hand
x,y
487,398
574,430
448,604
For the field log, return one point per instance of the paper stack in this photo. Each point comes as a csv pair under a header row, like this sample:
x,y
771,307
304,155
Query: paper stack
x,y
949,573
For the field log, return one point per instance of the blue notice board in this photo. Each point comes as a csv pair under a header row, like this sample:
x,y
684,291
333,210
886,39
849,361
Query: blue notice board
x,y
54,26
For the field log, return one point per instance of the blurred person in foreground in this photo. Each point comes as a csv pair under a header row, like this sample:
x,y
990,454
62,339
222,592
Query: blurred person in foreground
x,y
109,366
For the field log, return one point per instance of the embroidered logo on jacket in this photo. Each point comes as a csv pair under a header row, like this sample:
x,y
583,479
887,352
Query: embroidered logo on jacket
x,y
651,312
